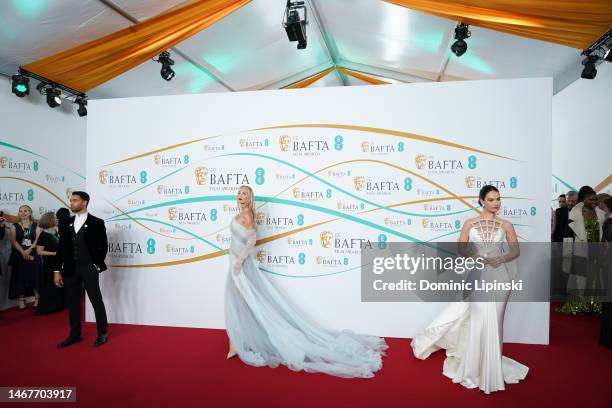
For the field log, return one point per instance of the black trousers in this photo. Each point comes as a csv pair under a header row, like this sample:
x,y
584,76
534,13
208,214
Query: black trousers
x,y
85,275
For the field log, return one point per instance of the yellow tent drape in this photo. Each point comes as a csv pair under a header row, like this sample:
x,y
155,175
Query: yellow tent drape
x,y
86,66
362,77
306,82
574,23
312,79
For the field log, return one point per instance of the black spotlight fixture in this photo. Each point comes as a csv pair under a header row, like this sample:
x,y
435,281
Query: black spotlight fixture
x,y
462,32
53,96
294,21
598,52
589,71
20,85
166,72
82,102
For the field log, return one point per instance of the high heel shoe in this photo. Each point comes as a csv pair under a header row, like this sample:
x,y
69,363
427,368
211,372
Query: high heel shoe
x,y
232,353
36,299
21,304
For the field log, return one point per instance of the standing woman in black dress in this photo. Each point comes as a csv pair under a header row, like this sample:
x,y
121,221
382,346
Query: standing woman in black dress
x,y
605,335
24,260
52,298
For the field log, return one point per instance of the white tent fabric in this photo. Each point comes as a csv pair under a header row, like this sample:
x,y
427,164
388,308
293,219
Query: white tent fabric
x,y
249,50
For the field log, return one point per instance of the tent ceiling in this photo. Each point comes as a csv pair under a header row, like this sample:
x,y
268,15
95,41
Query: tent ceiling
x,y
249,50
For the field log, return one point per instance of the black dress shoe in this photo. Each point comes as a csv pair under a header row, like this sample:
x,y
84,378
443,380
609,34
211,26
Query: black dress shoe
x,y
70,341
101,339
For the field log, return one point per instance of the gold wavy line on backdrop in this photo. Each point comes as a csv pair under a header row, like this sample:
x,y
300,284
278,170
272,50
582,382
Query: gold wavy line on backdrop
x,y
604,183
144,226
161,150
324,222
37,185
453,195
331,126
391,132
220,253
366,211
277,236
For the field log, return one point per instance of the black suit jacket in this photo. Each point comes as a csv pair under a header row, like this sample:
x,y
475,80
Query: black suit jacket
x,y
561,225
95,239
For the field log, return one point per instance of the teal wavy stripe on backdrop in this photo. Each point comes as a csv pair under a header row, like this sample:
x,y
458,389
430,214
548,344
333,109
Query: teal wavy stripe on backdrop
x,y
11,146
313,176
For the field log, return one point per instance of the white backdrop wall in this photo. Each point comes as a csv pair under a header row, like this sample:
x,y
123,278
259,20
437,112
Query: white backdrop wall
x,y
42,155
163,173
582,139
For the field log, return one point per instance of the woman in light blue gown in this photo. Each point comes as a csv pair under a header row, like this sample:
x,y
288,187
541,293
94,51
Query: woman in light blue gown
x,y
263,327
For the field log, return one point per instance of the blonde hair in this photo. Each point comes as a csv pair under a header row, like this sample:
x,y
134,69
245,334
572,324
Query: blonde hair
x,y
29,209
251,200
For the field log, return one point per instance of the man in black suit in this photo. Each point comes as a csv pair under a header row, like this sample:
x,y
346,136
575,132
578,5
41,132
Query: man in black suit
x,y
562,217
80,257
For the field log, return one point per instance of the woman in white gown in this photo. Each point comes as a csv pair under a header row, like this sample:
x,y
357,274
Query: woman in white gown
x,y
472,332
264,329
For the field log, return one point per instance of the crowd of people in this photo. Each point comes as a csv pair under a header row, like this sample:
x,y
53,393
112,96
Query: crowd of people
x,y
581,268
28,248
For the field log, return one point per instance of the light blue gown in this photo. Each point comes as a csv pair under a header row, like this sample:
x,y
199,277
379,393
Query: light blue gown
x,y
266,330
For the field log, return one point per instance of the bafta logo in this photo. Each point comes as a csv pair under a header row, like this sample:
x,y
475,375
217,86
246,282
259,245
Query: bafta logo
x,y
420,161
284,141
319,259
259,218
425,222
103,176
168,248
157,159
3,161
365,146
326,238
69,192
201,173
297,192
469,181
172,213
261,256
160,189
359,182
41,210
242,142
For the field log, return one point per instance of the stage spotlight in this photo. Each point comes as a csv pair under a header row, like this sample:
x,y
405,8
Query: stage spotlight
x,y
166,72
589,71
53,97
20,85
294,21
82,102
462,32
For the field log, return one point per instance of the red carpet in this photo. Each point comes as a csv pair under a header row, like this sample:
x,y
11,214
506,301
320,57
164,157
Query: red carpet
x,y
168,367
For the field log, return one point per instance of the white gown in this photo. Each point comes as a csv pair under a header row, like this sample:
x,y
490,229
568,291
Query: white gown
x,y
266,330
472,332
